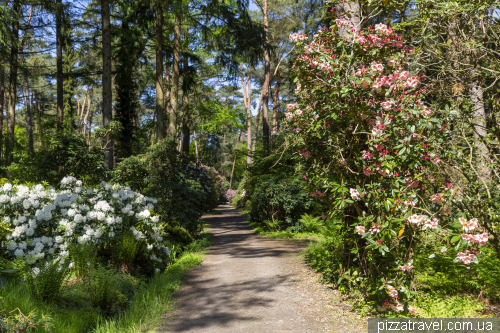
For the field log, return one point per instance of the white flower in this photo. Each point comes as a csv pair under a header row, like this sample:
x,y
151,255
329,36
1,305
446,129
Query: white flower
x,y
155,218
145,213
18,252
97,234
59,239
110,220
150,247
100,216
11,245
30,232
4,199
71,212
7,187
78,183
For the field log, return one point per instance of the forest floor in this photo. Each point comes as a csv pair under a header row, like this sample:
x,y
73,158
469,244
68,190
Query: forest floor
x,y
249,283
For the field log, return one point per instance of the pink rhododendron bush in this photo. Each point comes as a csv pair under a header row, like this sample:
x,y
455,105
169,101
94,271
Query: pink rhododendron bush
x,y
44,222
364,135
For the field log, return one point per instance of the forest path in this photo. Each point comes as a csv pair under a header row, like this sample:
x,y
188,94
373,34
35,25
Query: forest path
x,y
249,283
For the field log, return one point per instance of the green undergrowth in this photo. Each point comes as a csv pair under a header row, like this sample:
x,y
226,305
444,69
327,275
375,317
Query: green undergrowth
x,y
446,289
149,299
264,231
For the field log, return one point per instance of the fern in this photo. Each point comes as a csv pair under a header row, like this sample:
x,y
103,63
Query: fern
x,y
312,224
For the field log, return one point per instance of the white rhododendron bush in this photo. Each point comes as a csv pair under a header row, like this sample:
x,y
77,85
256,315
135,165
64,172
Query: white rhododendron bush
x,y
45,222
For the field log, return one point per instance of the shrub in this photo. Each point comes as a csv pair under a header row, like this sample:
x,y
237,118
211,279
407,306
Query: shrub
x,y
83,256
285,201
45,281
125,251
102,291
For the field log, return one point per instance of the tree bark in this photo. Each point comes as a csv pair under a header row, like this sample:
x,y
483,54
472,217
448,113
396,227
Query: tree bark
x,y
38,124
196,146
29,119
168,106
11,111
159,72
185,112
257,119
234,163
267,76
106,82
275,103
85,120
247,102
479,123
351,12
174,95
59,65
2,106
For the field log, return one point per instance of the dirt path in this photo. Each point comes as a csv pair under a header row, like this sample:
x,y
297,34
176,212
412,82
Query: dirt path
x,y
249,283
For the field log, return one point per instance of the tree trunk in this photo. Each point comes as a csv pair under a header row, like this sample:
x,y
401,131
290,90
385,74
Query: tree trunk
x,y
349,11
29,120
11,112
257,119
106,82
234,163
85,120
159,72
38,124
479,123
196,146
185,112
247,101
59,63
2,106
267,75
168,106
275,103
174,95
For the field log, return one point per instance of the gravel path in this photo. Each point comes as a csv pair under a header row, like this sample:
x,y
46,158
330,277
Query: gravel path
x,y
248,283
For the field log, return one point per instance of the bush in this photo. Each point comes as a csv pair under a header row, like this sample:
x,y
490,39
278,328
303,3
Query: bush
x,y
102,291
83,256
283,201
45,281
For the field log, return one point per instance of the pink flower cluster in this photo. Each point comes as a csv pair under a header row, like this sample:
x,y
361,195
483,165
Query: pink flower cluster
x,y
355,194
432,224
468,226
360,230
375,229
382,28
344,23
466,257
406,267
305,154
295,37
367,155
388,105
480,239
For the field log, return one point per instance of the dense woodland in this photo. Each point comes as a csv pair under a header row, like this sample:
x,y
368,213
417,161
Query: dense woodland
x,y
369,126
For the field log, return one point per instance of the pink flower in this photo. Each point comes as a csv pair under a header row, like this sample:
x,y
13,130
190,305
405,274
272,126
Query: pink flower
x,y
377,86
426,112
321,194
437,160
376,131
367,155
289,115
470,225
436,198
416,219
354,194
305,154
298,112
377,67
365,84
379,147
313,194
391,62
398,307
392,291
360,230
367,171
432,224
413,311
380,27
387,105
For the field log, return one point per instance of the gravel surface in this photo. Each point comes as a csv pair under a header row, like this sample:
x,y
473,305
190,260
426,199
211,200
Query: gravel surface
x,y
249,283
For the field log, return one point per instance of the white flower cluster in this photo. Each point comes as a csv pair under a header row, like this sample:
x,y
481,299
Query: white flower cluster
x,y
45,221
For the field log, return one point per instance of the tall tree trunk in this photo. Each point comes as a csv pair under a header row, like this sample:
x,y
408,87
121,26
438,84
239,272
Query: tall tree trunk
x,y
168,106
174,95
234,163
349,11
479,123
257,119
159,72
59,63
275,103
247,101
85,120
38,124
106,82
267,76
29,119
2,106
185,113
196,146
11,111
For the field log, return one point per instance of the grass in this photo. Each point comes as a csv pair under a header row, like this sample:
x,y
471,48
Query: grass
x,y
262,231
72,314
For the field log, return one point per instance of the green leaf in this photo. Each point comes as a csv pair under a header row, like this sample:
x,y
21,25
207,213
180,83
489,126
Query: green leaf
x,y
455,238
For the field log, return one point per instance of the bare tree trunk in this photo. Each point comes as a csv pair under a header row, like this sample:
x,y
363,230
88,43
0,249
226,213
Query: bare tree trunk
x,y
159,72
247,101
267,76
196,146
185,112
2,106
234,163
88,110
81,111
28,114
275,103
38,124
168,106
11,111
351,11
59,63
479,123
106,82
174,95
257,119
